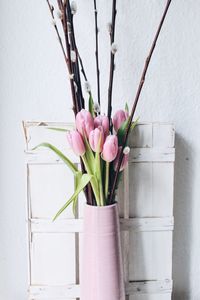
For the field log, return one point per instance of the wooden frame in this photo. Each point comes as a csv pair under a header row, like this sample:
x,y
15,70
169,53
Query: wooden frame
x,y
146,215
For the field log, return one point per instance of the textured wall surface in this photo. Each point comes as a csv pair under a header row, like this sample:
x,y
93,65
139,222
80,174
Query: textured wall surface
x,y
34,86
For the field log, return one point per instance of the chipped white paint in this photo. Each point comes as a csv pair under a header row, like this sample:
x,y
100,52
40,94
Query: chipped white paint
x,y
73,291
146,215
75,225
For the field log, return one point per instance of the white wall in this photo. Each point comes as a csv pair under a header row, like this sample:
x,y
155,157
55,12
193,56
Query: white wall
x,y
34,86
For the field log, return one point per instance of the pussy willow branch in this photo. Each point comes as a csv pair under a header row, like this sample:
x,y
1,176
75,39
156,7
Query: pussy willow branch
x,y
63,8
75,64
141,83
97,50
112,60
88,191
75,67
51,8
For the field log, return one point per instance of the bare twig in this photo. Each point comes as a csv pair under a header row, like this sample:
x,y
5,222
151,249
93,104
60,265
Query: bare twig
x,y
97,51
112,60
142,80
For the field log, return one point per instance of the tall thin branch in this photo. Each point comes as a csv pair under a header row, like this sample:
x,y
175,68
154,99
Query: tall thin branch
x,y
112,60
97,51
141,83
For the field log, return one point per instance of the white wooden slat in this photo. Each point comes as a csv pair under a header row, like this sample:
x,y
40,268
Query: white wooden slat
x,y
37,132
163,135
73,291
162,189
148,135
152,154
145,135
125,233
75,225
164,296
49,190
150,255
142,136
151,189
52,258
136,155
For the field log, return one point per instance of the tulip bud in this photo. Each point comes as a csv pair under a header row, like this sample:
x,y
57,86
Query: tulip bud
x,y
96,139
118,119
124,160
103,122
76,142
110,148
84,122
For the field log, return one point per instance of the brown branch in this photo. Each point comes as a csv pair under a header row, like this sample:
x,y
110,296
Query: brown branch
x,y
142,80
112,61
97,51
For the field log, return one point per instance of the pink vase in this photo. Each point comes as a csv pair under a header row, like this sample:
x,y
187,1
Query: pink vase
x,y
101,270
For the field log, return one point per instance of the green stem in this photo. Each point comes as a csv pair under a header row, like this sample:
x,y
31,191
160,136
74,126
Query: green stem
x,y
93,181
107,179
100,181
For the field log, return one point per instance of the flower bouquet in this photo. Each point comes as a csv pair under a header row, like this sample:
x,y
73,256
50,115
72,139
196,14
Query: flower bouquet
x,y
101,142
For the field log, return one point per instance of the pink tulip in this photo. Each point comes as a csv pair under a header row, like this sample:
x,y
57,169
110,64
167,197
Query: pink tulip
x,y
102,121
110,148
76,142
124,160
84,122
119,118
96,139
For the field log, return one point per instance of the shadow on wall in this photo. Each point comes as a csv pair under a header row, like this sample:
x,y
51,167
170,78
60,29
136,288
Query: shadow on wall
x,y
183,207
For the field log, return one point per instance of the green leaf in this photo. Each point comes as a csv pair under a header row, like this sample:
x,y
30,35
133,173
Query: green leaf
x,y
126,108
89,155
134,123
66,160
77,179
121,132
85,179
91,105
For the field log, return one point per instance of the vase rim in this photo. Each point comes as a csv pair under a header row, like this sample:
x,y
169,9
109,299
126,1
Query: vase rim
x,y
101,207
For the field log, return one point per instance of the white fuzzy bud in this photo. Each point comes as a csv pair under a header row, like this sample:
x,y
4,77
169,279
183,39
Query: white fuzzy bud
x,y
73,56
73,7
97,107
114,48
59,14
76,87
126,150
109,27
71,76
87,86
69,27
